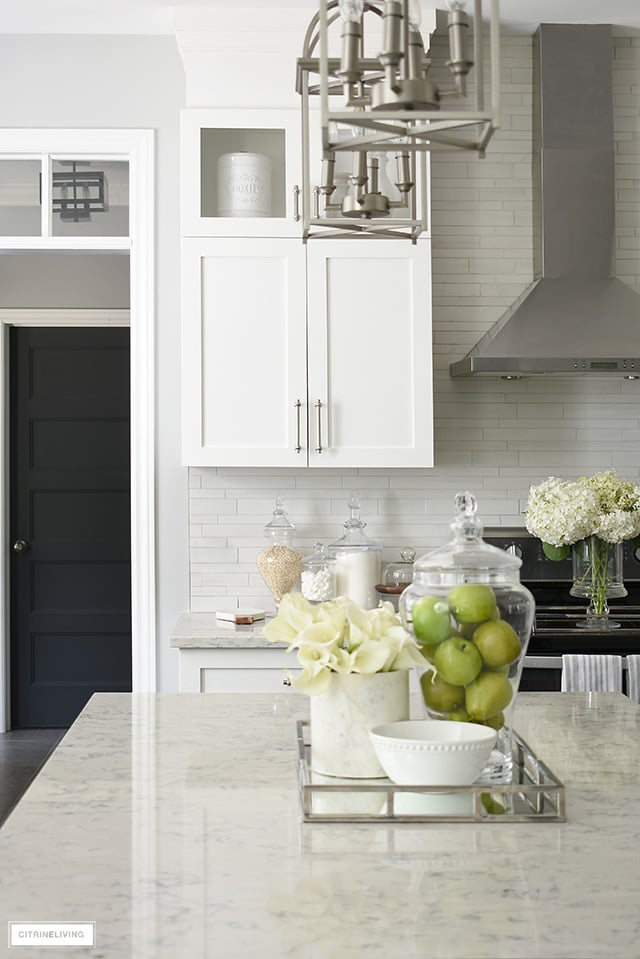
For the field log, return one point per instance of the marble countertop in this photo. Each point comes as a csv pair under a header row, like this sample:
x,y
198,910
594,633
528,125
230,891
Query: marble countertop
x,y
173,822
206,631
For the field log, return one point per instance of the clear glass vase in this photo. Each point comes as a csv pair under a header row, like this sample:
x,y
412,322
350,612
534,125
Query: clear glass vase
x,y
597,576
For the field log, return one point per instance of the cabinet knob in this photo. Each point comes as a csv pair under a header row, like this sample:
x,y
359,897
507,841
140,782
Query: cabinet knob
x,y
20,546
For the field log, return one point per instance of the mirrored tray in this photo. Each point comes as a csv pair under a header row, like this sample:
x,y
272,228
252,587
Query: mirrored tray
x,y
534,795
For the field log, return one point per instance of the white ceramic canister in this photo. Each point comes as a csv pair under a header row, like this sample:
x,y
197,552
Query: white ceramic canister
x,y
244,185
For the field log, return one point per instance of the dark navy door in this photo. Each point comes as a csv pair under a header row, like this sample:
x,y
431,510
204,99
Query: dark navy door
x,y
70,523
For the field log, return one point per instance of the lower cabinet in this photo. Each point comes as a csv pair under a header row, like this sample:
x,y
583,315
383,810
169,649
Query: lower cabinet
x,y
245,670
316,356
238,670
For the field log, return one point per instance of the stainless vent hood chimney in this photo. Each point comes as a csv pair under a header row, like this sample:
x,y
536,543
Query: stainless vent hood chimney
x,y
576,317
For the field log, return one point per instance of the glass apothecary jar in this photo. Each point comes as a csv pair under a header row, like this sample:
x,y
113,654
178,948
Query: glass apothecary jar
x,y
318,582
358,560
396,577
279,563
472,617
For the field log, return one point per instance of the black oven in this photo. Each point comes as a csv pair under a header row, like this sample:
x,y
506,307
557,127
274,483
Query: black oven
x,y
557,628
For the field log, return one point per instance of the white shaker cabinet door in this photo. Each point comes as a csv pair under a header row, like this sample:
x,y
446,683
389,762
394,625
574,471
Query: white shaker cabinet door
x,y
370,353
243,352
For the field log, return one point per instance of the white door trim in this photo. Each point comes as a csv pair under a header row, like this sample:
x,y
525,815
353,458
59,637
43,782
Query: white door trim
x,y
136,146
72,317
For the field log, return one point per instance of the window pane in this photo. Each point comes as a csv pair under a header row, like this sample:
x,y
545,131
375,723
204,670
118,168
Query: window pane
x,y
90,198
20,198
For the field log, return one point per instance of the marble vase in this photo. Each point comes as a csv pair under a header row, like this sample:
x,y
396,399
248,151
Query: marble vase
x,y
342,716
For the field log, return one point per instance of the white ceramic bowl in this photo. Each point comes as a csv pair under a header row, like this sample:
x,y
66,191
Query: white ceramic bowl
x,y
433,752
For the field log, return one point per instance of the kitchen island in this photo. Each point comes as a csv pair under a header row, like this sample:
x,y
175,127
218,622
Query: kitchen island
x,y
172,821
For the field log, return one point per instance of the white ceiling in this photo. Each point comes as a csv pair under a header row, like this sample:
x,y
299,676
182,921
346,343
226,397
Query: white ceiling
x,y
156,16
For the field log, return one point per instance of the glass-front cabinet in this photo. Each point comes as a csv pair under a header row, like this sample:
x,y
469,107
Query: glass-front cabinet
x,y
240,172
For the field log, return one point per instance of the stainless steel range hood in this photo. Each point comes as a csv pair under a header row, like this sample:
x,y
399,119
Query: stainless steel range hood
x,y
576,317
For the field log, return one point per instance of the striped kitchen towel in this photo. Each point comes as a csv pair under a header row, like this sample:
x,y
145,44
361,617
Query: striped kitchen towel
x,y
633,678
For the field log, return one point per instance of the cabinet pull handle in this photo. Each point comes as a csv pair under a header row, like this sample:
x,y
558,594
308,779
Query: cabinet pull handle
x,y
318,406
296,203
298,406
316,202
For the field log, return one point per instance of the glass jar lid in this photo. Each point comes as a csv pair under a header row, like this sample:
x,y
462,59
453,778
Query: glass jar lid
x,y
319,556
280,530
466,558
354,537
400,573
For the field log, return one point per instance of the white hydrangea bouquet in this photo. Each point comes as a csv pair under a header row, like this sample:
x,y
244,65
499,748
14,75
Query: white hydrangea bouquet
x,y
562,513
338,636
588,516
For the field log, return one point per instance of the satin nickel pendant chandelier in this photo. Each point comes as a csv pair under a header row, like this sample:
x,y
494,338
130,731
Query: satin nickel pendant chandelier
x,y
380,114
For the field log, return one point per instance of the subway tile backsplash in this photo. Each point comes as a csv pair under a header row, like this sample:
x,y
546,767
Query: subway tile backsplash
x,y
492,437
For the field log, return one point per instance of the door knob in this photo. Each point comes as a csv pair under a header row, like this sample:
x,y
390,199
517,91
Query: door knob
x,y
20,546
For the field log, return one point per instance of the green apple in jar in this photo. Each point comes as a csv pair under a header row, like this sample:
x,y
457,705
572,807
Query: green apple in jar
x,y
472,602
457,660
431,620
440,696
487,695
498,643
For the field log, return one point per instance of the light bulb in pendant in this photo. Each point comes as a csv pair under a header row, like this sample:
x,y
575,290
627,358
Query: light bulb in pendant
x,y
415,14
350,71
351,10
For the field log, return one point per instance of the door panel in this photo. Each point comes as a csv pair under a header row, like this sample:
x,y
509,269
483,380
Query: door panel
x,y
70,503
369,346
244,384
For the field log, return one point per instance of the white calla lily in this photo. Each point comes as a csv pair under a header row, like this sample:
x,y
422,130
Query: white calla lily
x,y
317,634
340,637
310,656
342,661
372,657
333,612
310,682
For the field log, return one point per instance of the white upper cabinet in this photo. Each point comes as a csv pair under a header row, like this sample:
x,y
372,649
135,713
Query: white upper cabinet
x,y
240,172
316,356
369,353
313,355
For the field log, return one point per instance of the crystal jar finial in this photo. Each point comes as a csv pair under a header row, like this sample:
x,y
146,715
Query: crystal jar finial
x,y
466,525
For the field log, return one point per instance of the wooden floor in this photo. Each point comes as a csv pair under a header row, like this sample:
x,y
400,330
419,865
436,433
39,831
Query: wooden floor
x,y
22,754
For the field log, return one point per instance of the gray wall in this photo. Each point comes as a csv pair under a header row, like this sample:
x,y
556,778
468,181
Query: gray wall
x,y
125,82
53,280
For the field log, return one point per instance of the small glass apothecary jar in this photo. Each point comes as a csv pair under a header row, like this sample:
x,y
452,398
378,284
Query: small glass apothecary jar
x,y
279,563
396,577
358,560
472,618
318,583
